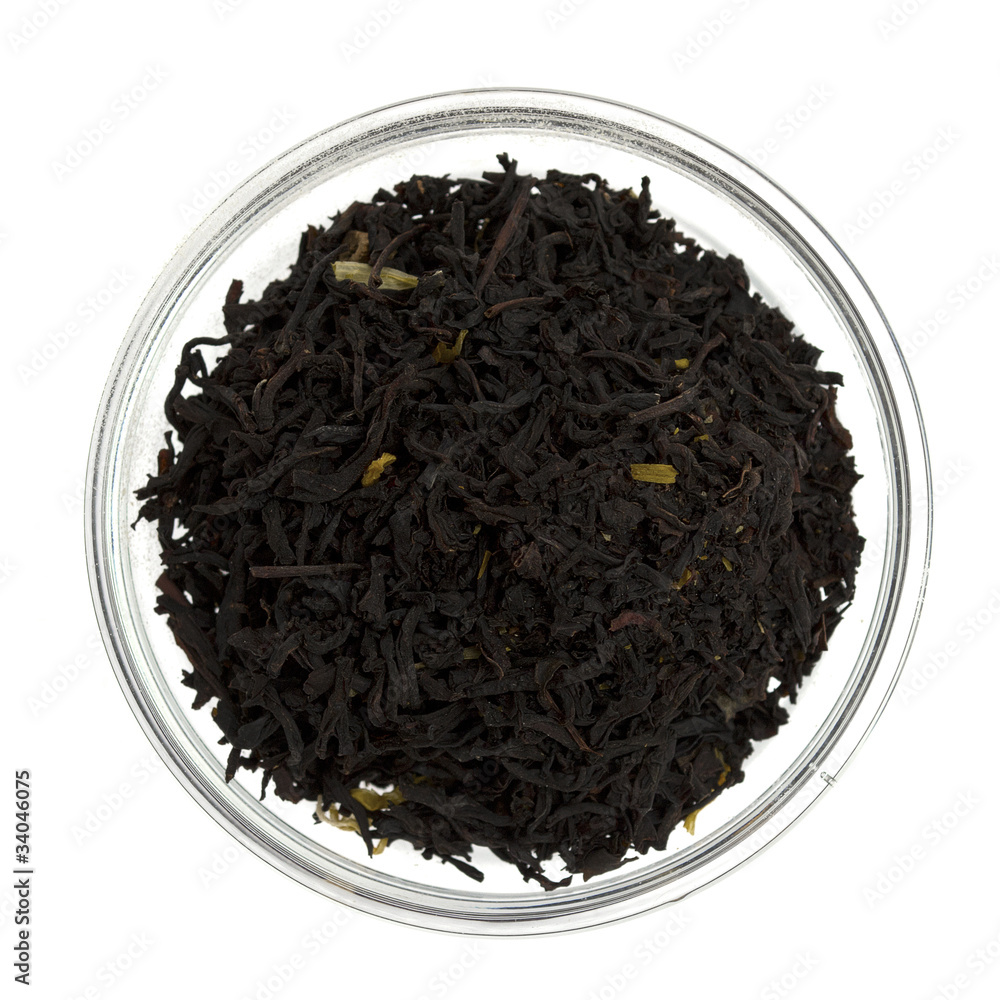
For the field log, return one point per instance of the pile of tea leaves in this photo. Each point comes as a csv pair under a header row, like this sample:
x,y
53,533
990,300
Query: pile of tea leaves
x,y
508,518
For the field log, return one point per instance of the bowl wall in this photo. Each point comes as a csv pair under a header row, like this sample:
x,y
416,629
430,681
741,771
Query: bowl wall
x,y
727,206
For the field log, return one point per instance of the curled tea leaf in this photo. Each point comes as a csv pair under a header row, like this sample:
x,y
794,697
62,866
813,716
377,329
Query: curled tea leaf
x,y
355,246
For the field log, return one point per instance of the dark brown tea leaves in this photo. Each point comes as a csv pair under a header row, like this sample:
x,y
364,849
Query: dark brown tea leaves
x,y
508,518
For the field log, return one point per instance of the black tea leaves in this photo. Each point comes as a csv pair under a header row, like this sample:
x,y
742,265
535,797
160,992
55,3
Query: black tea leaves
x,y
508,518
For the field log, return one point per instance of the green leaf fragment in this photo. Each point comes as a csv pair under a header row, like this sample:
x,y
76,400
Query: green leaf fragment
x,y
444,354
483,564
391,279
373,801
643,473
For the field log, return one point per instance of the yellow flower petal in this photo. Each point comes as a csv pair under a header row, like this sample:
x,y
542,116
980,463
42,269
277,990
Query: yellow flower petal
x,y
444,355
333,817
725,767
689,821
376,468
373,801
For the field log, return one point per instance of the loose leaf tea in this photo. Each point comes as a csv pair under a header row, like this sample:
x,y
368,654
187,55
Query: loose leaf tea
x,y
518,542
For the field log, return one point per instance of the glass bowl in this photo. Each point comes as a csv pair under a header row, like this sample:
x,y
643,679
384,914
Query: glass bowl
x,y
727,205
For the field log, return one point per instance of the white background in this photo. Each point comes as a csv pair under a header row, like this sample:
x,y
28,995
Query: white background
x,y
865,897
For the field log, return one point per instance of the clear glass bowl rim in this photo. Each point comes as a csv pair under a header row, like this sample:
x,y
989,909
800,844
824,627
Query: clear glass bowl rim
x,y
906,561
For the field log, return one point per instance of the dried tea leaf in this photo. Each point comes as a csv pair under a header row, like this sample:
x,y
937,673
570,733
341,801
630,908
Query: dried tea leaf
x,y
515,638
355,246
